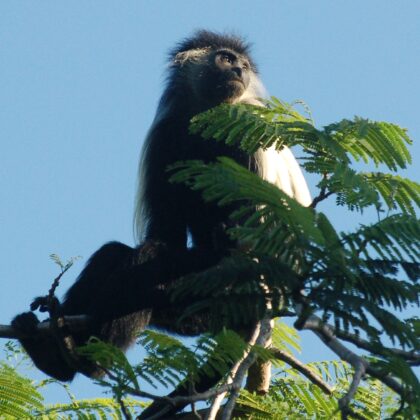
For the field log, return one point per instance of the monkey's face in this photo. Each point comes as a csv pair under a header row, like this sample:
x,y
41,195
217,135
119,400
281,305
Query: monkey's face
x,y
225,78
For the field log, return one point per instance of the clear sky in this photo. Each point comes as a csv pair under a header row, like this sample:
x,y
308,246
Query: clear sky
x,y
79,84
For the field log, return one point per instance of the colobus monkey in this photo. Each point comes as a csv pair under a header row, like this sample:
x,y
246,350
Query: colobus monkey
x,y
123,289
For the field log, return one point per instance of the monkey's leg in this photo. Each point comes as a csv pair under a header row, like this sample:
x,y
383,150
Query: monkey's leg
x,y
144,285
108,259
119,294
42,348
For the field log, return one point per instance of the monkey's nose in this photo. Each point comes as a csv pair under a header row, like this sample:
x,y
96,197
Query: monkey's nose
x,y
237,70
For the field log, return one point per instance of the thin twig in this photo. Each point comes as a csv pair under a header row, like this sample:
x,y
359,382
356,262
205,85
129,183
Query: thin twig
x,y
320,197
323,194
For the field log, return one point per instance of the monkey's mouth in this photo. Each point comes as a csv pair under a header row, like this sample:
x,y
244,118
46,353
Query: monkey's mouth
x,y
234,87
236,80
229,89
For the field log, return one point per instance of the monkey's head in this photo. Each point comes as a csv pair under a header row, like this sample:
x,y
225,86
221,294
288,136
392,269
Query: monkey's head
x,y
213,68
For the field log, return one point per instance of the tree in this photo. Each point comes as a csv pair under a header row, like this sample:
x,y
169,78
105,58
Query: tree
x,y
313,394
346,287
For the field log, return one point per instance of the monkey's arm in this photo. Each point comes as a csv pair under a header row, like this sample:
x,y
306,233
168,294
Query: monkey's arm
x,y
160,210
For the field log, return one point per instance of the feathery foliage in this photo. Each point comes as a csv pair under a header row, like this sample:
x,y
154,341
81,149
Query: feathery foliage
x,y
21,397
89,409
291,258
358,279
329,152
18,395
293,397
168,360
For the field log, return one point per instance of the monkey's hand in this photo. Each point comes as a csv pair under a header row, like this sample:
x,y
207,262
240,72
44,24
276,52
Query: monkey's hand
x,y
44,303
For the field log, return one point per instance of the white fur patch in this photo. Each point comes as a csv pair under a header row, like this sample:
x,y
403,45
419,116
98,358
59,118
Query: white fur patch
x,y
281,169
190,55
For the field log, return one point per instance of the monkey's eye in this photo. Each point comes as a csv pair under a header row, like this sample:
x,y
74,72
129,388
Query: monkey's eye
x,y
226,58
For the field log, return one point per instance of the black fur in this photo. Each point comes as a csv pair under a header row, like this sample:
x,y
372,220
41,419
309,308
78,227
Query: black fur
x,y
124,289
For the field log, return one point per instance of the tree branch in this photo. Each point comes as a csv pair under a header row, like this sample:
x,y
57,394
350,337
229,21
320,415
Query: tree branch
x,y
265,330
74,322
173,401
326,333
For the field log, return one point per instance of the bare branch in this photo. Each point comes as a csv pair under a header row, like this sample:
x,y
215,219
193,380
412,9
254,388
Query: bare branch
x,y
360,367
411,356
266,328
302,368
326,333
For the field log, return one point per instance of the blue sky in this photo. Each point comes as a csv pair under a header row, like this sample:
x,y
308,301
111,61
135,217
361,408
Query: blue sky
x,y
79,84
